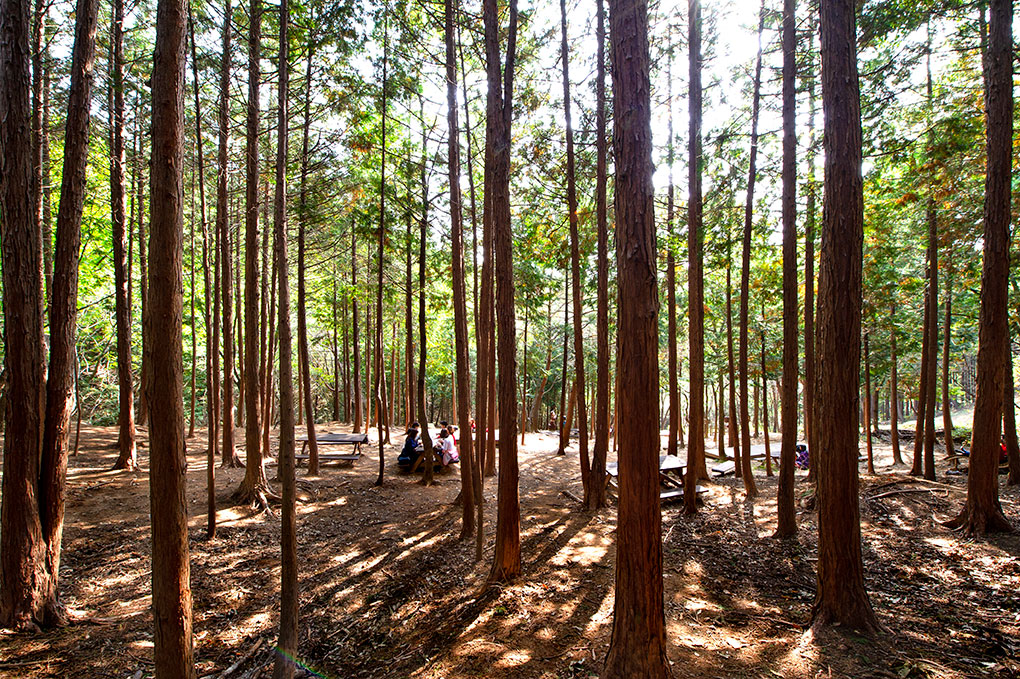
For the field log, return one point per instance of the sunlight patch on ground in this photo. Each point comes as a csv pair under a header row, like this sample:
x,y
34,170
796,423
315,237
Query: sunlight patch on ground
x,y
584,549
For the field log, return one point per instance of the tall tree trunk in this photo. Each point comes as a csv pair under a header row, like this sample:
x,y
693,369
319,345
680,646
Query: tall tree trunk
x,y
254,488
127,456
506,564
304,370
575,267
869,414
765,408
358,416
336,353
286,663
750,488
229,454
598,465
894,393
1009,421
39,151
695,245
932,316
638,646
787,513
922,416
841,597
426,439
564,424
209,313
23,574
171,591
947,329
63,312
380,368
409,367
809,271
671,342
143,286
462,339
982,512
735,427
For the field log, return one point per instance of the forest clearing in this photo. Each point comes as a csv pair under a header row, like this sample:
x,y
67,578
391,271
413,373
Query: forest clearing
x,y
388,592
509,338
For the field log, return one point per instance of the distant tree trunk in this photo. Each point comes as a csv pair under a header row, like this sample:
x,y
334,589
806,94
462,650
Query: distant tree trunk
x,y
841,597
750,488
336,353
671,343
460,315
786,510
765,410
868,412
127,457
922,415
809,272
254,488
735,427
1009,421
229,454
380,368
506,564
211,345
598,465
411,380
982,513
947,408
564,426
304,369
894,394
286,664
171,591
638,646
932,316
143,288
575,267
695,244
426,439
358,416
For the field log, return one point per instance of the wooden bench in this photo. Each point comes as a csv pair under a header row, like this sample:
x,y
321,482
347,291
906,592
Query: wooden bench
x,y
671,474
353,440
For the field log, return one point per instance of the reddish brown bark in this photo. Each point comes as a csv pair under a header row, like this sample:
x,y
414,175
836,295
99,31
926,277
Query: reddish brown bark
x,y
171,592
894,395
841,597
304,363
638,646
982,512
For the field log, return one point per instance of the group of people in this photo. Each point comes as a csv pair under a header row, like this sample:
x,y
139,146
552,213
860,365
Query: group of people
x,y
444,448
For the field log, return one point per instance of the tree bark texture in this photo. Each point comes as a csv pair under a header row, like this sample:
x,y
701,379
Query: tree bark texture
x,y
638,646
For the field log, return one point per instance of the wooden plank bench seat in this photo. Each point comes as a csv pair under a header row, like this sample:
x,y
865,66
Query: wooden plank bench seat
x,y
330,439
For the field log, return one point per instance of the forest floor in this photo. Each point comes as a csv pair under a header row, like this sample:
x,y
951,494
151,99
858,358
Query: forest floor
x,y
388,591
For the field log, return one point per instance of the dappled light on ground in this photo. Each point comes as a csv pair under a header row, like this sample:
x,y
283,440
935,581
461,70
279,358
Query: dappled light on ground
x,y
388,591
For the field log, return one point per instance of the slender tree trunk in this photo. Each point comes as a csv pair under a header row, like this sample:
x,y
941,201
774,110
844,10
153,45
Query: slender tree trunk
x,y
922,415
894,394
211,347
787,512
598,465
638,646
462,339
336,354
286,664
564,424
671,342
358,416
809,272
947,407
426,439
171,591
868,412
932,316
575,267
695,273
229,454
750,488
1009,421
254,488
841,597
127,457
765,410
143,288
982,513
506,564
380,368
303,210
735,427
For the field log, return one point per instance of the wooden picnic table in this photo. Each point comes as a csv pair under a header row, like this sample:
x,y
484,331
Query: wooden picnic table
x,y
671,475
330,439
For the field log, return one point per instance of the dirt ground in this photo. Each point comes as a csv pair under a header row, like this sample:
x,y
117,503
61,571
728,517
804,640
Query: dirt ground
x,y
388,591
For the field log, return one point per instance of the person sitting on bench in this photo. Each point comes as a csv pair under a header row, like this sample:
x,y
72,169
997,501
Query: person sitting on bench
x,y
409,453
447,448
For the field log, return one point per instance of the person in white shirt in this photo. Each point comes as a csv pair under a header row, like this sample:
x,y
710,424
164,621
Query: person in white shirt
x,y
449,448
